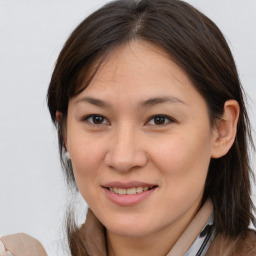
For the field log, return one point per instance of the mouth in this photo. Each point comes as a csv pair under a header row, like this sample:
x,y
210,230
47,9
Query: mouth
x,y
130,191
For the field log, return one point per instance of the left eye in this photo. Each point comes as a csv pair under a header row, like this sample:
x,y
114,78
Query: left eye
x,y
160,120
96,119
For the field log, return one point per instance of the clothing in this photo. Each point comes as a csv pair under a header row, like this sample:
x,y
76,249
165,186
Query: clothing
x,y
23,245
203,241
198,236
237,247
93,237
3,251
199,239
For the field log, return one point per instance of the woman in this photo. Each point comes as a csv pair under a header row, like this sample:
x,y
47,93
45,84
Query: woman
x,y
153,133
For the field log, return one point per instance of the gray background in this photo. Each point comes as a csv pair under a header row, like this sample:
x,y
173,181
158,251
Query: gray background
x,y
33,196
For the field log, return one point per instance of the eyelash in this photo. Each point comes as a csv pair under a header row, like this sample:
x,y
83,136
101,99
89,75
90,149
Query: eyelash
x,y
168,118
165,117
87,118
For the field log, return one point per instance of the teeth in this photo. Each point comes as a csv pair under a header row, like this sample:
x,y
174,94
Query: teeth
x,y
139,189
121,191
129,191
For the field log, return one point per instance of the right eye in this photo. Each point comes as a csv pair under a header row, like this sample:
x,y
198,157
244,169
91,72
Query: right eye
x,y
96,120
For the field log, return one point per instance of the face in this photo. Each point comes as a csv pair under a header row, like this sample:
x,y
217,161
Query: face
x,y
140,142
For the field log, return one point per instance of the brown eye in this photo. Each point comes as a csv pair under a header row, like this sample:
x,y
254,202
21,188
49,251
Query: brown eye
x,y
160,120
96,119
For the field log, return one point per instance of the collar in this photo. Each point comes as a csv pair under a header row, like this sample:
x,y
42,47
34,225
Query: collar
x,y
199,234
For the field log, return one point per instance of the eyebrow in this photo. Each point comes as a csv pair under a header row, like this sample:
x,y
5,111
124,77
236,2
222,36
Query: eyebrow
x,y
147,103
160,100
94,101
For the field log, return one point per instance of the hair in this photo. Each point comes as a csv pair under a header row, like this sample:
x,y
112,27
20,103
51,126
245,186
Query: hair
x,y
195,44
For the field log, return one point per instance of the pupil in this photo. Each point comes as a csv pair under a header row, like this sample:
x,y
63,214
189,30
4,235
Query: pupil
x,y
159,120
97,119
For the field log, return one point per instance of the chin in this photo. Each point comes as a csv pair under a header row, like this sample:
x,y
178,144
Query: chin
x,y
129,228
132,232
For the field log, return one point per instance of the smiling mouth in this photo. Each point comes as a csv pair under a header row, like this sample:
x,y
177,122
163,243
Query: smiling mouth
x,y
129,191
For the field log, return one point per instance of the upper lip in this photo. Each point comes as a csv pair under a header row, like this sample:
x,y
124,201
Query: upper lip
x,y
126,185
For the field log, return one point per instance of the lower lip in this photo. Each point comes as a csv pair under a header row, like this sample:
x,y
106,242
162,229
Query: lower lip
x,y
128,200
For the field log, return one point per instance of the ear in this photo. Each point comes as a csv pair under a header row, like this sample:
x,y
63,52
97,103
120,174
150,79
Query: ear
x,y
225,131
59,118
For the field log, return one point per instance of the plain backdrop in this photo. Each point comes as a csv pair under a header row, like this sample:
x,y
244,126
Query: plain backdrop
x,y
33,196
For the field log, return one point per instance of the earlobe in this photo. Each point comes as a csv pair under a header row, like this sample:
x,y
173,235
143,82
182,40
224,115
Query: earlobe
x,y
226,129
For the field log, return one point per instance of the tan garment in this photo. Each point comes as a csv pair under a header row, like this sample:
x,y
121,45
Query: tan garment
x,y
93,229
23,245
93,243
237,247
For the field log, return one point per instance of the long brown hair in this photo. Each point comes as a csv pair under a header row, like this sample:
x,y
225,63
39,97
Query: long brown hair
x,y
195,43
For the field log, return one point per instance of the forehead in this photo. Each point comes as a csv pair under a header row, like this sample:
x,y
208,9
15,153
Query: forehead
x,y
136,63
139,71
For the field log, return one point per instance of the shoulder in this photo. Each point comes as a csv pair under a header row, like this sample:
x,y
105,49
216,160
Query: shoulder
x,y
248,245
241,246
23,244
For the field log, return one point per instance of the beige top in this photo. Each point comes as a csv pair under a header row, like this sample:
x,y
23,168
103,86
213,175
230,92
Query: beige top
x,y
22,245
192,231
92,236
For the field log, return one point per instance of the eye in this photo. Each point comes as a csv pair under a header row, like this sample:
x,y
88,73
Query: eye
x,y
160,120
96,120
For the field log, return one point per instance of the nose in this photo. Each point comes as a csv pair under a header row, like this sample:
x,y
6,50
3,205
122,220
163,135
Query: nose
x,y
125,151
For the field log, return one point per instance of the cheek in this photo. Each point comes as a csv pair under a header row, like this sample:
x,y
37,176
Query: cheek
x,y
86,156
85,168
184,169
85,150
183,162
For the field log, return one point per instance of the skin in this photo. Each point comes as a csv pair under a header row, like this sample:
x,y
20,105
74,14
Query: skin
x,y
127,144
